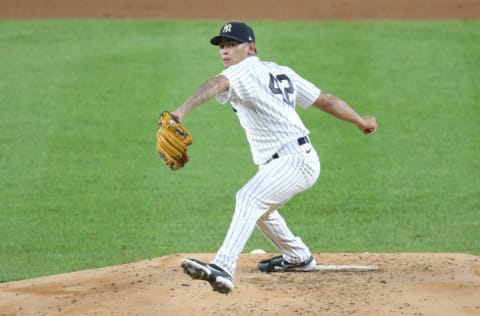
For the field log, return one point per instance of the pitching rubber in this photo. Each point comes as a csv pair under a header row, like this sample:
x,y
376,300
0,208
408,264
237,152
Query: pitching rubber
x,y
347,268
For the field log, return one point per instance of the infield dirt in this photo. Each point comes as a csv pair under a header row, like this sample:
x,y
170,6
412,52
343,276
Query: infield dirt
x,y
406,284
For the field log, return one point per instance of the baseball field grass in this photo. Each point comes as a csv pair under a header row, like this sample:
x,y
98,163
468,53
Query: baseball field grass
x,y
81,185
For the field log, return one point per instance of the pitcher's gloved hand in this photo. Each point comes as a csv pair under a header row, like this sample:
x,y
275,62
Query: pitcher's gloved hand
x,y
173,139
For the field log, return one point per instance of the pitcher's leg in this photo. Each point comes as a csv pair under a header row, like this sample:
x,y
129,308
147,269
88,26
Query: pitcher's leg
x,y
248,209
275,229
268,189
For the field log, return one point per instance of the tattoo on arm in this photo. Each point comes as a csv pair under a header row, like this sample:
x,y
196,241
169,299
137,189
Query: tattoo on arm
x,y
205,92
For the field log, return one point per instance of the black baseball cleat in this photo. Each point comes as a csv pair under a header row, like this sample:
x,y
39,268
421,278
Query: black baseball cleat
x,y
220,280
278,264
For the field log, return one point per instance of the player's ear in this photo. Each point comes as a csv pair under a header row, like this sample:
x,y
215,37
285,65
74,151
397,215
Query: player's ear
x,y
252,50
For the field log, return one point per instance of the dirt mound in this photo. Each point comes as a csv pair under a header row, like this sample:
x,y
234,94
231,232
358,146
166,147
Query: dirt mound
x,y
406,284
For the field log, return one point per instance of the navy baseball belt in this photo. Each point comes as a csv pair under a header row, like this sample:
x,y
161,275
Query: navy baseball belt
x,y
301,141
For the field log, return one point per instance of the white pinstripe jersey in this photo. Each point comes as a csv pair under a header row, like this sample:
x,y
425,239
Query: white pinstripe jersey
x,y
264,95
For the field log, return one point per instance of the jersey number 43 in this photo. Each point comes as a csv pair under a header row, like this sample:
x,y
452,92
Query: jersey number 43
x,y
282,85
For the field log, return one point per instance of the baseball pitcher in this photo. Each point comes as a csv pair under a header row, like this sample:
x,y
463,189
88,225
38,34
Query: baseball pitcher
x,y
264,96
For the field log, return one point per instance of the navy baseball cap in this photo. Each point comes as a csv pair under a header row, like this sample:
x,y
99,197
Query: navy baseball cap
x,y
237,31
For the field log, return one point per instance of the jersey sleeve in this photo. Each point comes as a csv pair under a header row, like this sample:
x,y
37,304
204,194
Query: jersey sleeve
x,y
234,75
223,97
307,92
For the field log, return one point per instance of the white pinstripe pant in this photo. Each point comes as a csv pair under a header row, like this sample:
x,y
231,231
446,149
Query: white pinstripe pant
x,y
257,203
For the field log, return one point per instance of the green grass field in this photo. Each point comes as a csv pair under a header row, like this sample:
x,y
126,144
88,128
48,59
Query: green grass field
x,y
81,185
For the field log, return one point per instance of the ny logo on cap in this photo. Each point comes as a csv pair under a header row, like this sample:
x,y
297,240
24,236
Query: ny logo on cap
x,y
227,28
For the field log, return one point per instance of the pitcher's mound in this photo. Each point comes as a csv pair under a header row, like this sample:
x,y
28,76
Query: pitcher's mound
x,y
403,284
